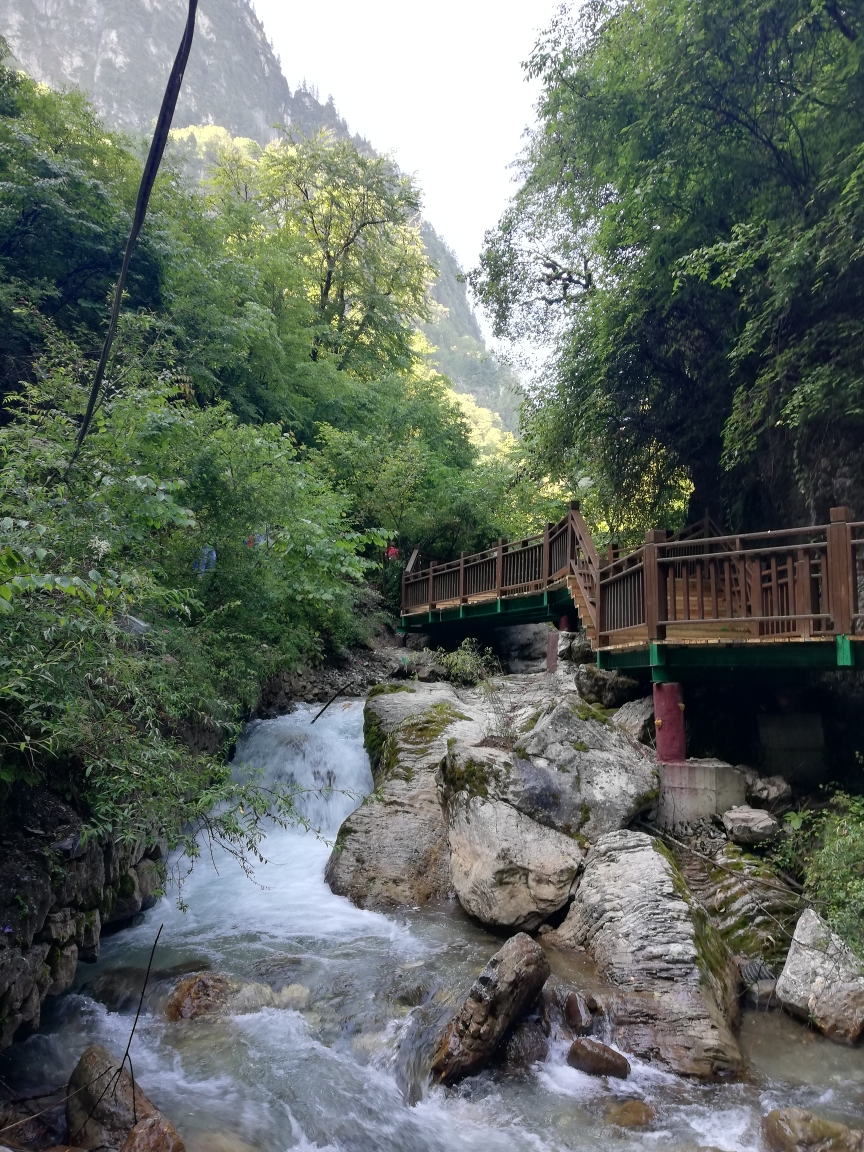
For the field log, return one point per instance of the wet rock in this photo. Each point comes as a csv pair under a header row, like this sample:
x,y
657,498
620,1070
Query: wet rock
x,y
750,905
750,826
392,851
578,1014
762,994
608,689
100,1119
217,1142
509,983
674,982
636,718
153,1135
206,994
771,792
526,1045
823,981
630,1113
795,1130
588,1055
507,869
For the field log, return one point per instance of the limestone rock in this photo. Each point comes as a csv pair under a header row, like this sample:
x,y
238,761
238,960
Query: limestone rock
x,y
597,1059
392,851
100,1119
823,981
507,869
674,983
795,1130
509,984
636,718
630,1113
608,689
771,792
750,905
153,1135
750,826
601,780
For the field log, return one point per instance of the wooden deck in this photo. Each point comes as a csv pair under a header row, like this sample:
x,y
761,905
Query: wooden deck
x,y
793,596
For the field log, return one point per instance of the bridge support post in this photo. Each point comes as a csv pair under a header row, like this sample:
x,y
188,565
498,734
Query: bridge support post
x,y
669,722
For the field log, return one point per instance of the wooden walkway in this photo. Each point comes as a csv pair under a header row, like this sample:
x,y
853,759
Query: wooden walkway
x,y
793,597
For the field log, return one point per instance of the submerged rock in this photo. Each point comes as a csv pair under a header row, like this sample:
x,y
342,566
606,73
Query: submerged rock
x,y
210,994
98,1118
823,981
630,1113
526,1045
597,1059
750,826
795,1130
506,987
674,982
392,851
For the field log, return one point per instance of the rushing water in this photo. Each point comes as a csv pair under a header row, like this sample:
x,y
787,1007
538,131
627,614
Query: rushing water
x,y
340,1071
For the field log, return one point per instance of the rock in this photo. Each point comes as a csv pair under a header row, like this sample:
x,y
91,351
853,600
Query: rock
x,y
392,851
636,718
573,756
151,881
217,1142
62,963
608,689
526,1045
750,905
771,792
509,983
206,994
794,1130
507,869
578,1014
674,982
522,647
588,1055
750,825
153,1135
575,647
630,1113
762,994
823,981
432,673
99,1119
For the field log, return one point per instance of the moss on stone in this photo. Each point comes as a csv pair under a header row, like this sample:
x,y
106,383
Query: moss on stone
x,y
380,746
580,745
430,724
470,775
591,712
531,722
388,690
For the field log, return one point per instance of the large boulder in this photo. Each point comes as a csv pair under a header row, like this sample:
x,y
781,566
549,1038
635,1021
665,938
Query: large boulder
x,y
392,851
823,981
601,779
674,984
153,1135
507,869
498,998
794,1130
636,718
99,1111
608,689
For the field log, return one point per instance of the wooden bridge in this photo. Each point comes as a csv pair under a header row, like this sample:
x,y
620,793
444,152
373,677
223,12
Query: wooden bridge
x,y
792,598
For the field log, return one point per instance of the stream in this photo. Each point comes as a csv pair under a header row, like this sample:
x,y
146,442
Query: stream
x,y
340,1072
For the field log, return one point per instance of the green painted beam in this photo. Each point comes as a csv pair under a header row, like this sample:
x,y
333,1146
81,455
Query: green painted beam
x,y
537,609
672,662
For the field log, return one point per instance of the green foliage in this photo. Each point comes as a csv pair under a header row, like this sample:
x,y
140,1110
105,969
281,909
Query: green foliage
x,y
825,848
469,664
687,243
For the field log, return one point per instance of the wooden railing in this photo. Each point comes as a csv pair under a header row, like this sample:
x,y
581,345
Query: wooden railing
x,y
562,552
700,585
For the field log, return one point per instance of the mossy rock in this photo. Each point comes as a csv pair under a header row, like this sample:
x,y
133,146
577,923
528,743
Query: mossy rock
x,y
388,690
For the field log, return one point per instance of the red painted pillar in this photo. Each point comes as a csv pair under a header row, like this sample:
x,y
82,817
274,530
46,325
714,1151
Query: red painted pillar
x,y
669,721
564,624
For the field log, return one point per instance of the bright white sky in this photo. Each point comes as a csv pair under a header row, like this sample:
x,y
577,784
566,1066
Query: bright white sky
x,y
438,84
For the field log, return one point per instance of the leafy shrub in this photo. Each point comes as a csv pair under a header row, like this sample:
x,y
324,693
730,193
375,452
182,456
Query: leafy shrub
x,y
469,664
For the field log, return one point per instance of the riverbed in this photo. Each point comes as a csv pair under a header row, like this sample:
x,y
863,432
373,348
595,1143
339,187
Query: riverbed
x,y
345,1069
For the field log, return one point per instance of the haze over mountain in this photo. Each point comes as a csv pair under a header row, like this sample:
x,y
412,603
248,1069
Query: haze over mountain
x,y
120,51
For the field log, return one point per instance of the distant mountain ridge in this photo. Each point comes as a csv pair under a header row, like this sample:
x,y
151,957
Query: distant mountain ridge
x,y
120,51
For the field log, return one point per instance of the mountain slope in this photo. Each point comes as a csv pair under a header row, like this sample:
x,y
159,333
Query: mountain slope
x,y
120,52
